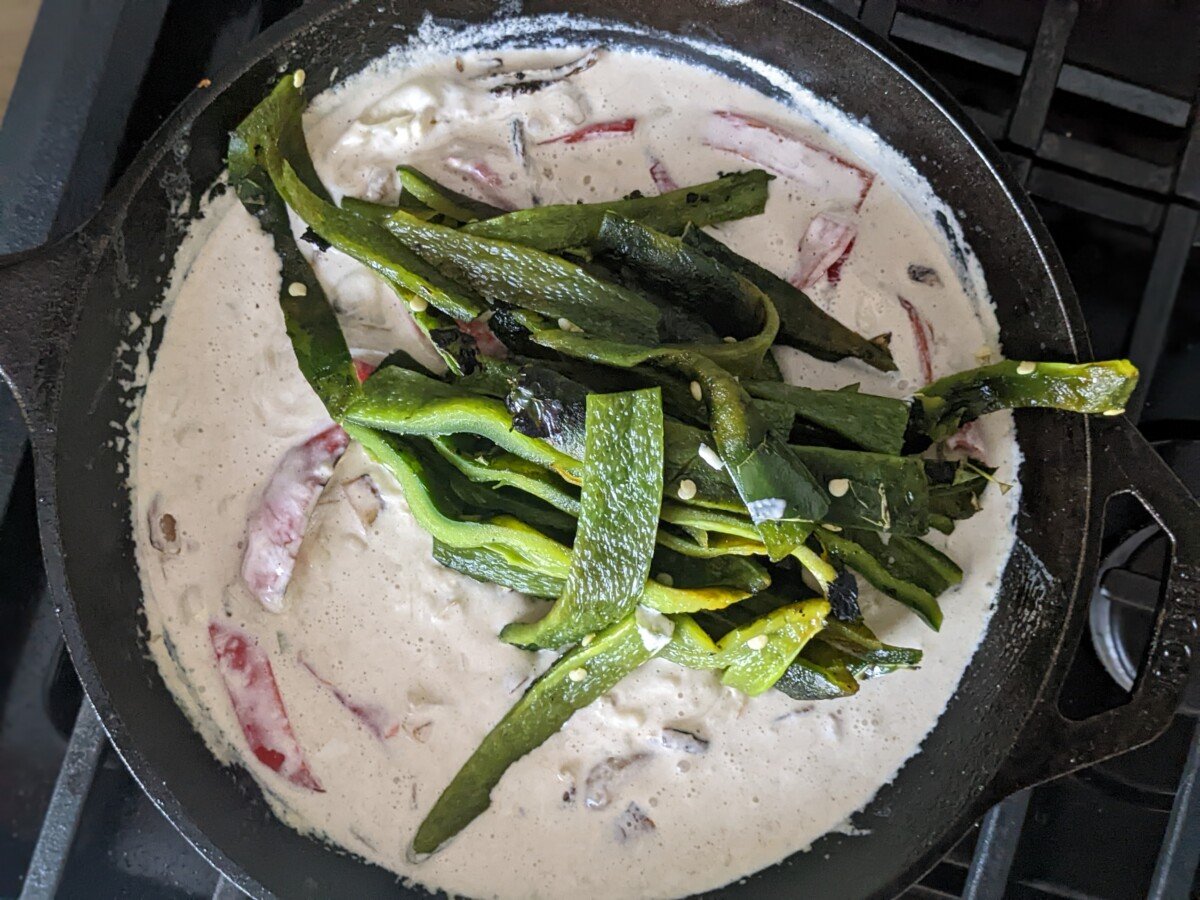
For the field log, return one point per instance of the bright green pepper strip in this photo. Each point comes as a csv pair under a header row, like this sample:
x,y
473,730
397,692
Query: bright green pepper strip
x,y
754,656
406,402
618,521
870,565
873,423
377,212
513,471
254,151
490,567
803,324
568,226
530,279
441,199
882,493
941,408
577,679
374,246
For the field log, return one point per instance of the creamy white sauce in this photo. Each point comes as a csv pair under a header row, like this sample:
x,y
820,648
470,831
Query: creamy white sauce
x,y
370,610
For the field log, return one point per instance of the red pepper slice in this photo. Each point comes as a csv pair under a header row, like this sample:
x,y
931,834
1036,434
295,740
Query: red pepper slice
x,y
662,178
485,340
378,719
826,244
276,526
363,369
594,131
246,670
824,173
922,334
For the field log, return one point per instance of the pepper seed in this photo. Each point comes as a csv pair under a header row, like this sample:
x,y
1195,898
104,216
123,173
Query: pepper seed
x,y
729,339
1113,412
418,304
697,394
577,675
687,489
1026,368
664,578
297,289
757,642
587,639
298,78
839,486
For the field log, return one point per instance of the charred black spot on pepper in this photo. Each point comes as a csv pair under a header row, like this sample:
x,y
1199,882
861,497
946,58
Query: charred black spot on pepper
x,y
692,197
315,239
843,597
458,345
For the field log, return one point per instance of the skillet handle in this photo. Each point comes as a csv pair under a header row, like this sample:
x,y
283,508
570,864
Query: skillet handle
x,y
1050,745
38,302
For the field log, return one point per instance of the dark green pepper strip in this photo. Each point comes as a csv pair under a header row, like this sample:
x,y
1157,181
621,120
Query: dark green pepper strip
x,y
681,571
577,679
568,226
312,326
377,212
530,279
871,490
867,564
499,468
728,302
955,490
442,200
803,324
941,408
805,679
374,246
857,641
913,560
868,421
618,521
405,402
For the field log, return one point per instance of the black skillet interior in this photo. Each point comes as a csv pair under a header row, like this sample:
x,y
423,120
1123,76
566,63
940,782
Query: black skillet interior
x,y
933,798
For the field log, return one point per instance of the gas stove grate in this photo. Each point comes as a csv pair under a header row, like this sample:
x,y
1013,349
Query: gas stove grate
x,y
1147,189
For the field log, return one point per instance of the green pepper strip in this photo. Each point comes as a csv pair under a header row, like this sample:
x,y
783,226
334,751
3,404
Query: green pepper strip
x,y
803,324
254,153
941,408
441,199
728,302
406,402
871,422
569,226
618,521
777,489
577,679
868,556
754,656
530,279
806,679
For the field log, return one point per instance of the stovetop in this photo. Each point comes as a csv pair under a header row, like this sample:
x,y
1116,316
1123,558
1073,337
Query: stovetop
x,y
1094,105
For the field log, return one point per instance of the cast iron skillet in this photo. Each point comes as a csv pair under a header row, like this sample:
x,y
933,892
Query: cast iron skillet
x,y
65,320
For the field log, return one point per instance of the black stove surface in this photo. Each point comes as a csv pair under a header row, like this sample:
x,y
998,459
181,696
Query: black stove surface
x,y
1095,105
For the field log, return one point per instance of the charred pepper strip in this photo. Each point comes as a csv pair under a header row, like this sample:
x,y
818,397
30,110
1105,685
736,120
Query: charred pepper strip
x,y
805,679
856,641
803,324
523,277
451,204
567,226
866,420
254,150
941,408
577,679
870,562
618,521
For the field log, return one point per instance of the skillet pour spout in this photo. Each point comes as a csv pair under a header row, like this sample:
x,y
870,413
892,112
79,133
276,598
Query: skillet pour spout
x,y
65,340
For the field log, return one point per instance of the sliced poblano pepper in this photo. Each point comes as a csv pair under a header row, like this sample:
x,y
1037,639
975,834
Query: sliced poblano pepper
x,y
941,408
803,324
529,279
779,492
955,489
406,402
452,205
870,656
871,422
806,679
911,571
255,150
374,246
575,680
519,545
618,521
754,656
567,226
